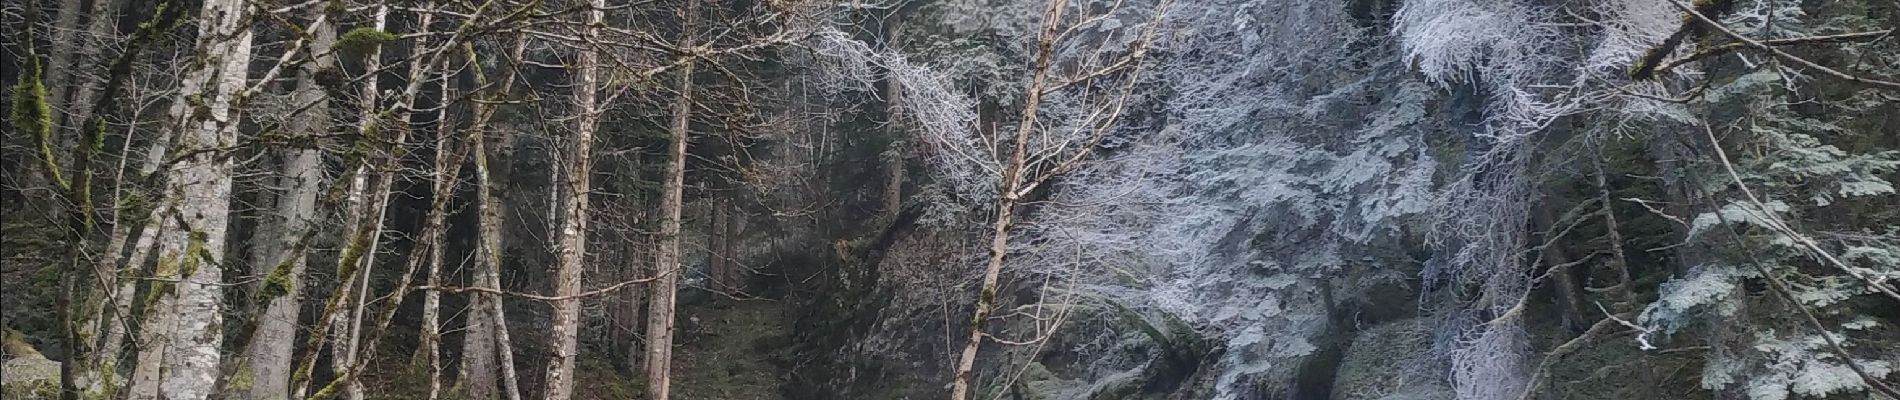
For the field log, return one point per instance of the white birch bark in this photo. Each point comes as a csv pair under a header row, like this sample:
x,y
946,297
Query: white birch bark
x,y
667,260
486,350
572,242
184,356
110,312
269,351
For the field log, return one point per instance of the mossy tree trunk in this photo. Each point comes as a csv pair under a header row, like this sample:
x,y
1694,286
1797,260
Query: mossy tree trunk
x,y
571,245
181,361
267,355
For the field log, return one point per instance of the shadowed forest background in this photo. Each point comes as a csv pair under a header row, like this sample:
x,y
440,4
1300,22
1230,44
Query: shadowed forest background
x,y
971,199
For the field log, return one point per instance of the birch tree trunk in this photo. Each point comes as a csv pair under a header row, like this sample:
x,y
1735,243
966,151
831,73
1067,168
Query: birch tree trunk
x,y
375,197
485,347
483,350
357,216
267,356
667,258
572,242
1006,200
111,304
184,359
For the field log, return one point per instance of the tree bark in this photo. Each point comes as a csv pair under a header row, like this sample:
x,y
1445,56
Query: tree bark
x,y
735,218
60,76
1563,284
188,354
486,324
485,348
267,355
111,301
893,156
572,242
105,15
1006,200
718,266
667,259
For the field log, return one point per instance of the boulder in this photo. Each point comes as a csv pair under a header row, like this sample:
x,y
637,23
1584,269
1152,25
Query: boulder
x,y
1391,361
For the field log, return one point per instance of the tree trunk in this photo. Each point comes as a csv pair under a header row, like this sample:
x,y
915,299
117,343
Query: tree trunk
x,y
111,304
151,322
571,244
667,259
1619,265
510,384
485,348
631,324
486,325
363,224
200,190
735,218
59,72
893,179
370,203
1006,199
477,375
1563,285
105,14
267,355
893,156
718,266
447,167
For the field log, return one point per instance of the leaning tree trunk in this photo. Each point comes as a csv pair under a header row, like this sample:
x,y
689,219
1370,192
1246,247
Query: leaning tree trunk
x,y
185,359
448,173
364,211
485,347
1006,200
667,260
571,245
111,302
267,356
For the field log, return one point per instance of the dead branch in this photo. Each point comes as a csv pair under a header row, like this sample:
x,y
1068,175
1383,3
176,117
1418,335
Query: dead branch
x,y
539,297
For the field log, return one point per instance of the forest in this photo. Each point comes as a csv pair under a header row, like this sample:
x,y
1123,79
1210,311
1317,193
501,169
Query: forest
x,y
962,199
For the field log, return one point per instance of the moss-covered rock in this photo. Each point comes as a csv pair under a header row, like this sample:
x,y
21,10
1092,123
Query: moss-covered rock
x,y
14,346
1390,362
29,375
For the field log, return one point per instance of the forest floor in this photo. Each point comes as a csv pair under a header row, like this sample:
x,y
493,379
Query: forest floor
x,y
727,349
